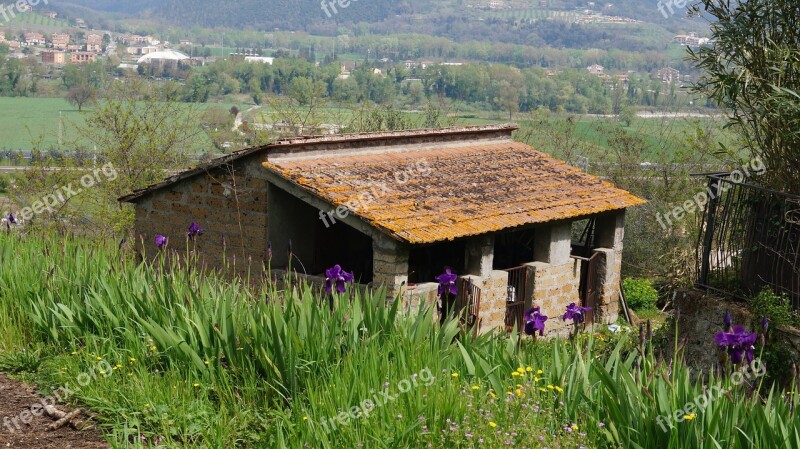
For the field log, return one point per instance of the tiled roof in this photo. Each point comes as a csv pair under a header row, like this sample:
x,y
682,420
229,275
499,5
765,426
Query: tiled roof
x,y
457,191
310,144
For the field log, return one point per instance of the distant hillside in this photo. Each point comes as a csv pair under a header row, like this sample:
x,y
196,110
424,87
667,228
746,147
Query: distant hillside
x,y
309,15
262,14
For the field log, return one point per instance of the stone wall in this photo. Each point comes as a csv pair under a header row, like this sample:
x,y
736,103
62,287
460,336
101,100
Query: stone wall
x,y
229,203
554,287
492,312
494,295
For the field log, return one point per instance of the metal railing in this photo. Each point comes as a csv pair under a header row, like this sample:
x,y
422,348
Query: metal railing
x,y
749,240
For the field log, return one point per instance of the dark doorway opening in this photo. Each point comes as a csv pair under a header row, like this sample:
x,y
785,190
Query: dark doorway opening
x,y
427,262
512,249
315,245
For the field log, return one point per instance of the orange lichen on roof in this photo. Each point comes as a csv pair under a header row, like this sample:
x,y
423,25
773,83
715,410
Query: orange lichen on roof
x,y
433,195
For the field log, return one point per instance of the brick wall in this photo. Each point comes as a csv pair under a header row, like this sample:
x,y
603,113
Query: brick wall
x,y
554,287
229,203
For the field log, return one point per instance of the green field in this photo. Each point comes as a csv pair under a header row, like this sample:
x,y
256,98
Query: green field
x,y
37,19
28,123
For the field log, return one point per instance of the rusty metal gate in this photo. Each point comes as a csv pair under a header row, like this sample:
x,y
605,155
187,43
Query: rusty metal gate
x,y
517,297
588,291
468,305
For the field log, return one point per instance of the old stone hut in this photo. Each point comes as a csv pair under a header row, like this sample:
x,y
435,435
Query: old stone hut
x,y
520,227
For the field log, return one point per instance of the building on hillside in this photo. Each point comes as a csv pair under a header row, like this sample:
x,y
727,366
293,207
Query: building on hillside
x,y
259,59
396,208
145,50
691,40
596,69
164,58
185,42
82,57
133,39
54,57
669,75
12,45
59,41
32,39
94,43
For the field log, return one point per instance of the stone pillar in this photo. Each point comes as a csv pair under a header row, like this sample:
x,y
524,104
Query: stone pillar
x,y
554,278
480,255
553,244
610,230
492,312
610,235
609,264
390,266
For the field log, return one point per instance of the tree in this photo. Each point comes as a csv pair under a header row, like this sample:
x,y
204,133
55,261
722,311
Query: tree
x,y
142,136
80,95
753,69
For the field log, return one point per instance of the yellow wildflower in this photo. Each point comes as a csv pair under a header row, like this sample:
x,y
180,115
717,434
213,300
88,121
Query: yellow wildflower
x,y
492,424
690,417
475,387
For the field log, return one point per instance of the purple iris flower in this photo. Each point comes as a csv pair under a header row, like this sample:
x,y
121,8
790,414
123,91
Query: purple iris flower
x,y
194,230
161,241
534,321
764,325
338,277
447,283
12,219
738,343
727,322
575,313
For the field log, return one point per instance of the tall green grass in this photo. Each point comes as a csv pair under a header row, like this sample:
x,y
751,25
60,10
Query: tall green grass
x,y
203,361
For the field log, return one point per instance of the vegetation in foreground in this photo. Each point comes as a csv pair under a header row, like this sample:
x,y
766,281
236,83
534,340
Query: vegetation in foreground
x,y
197,361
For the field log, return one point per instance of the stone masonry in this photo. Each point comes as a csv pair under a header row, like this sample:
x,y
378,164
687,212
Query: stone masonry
x,y
230,202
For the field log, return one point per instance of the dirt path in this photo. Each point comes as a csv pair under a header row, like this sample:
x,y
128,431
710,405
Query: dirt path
x,y
15,398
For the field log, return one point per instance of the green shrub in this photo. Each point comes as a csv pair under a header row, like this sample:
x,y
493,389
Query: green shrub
x,y
640,294
775,307
776,354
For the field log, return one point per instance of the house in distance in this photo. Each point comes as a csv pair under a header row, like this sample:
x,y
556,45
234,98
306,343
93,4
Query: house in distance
x,y
396,208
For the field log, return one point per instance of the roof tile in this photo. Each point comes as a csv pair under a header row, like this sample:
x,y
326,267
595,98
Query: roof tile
x,y
470,190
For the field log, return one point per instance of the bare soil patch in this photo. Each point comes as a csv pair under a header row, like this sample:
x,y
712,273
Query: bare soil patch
x,y
16,398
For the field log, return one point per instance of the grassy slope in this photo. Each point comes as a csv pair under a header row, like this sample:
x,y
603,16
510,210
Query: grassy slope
x,y
202,362
26,123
